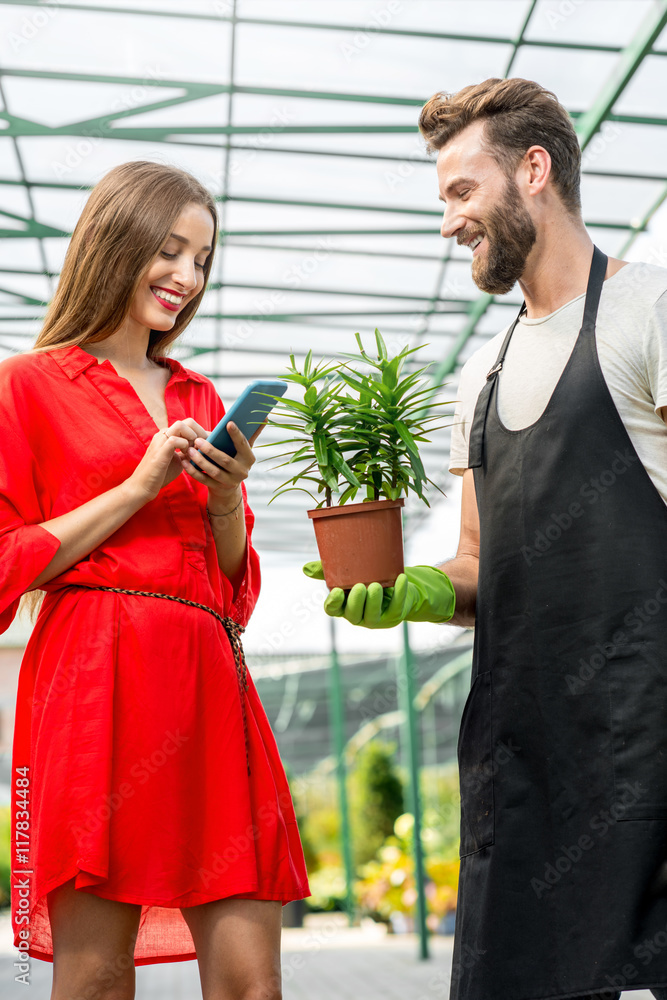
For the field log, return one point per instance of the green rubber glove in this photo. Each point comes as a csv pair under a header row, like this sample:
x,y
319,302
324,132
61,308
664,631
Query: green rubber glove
x,y
420,594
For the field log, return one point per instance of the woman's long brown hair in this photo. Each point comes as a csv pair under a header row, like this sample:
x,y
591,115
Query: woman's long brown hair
x,y
127,219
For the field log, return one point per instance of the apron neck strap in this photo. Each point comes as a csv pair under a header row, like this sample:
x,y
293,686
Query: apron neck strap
x,y
593,290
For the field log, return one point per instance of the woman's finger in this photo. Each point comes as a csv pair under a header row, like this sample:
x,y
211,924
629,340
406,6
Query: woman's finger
x,y
197,428
259,430
183,430
243,449
205,464
212,454
176,441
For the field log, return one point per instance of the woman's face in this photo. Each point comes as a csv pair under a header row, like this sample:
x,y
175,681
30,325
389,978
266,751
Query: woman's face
x,y
177,273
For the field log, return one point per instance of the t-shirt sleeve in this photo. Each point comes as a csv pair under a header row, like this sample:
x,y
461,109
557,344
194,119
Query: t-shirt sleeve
x,y
463,415
655,352
26,549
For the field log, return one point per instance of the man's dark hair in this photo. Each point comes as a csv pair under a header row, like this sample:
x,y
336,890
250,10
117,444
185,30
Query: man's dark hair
x,y
517,114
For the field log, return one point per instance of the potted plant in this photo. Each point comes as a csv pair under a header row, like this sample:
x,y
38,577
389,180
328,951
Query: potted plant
x,y
356,431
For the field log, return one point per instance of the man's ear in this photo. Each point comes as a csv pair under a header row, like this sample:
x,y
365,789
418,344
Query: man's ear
x,y
537,163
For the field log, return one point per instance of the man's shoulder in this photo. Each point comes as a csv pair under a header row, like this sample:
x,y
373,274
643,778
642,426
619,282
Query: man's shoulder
x,y
644,281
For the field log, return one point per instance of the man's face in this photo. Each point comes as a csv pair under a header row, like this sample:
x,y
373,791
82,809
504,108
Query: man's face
x,y
481,201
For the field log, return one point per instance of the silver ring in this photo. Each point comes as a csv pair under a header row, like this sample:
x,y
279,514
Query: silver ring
x,y
166,435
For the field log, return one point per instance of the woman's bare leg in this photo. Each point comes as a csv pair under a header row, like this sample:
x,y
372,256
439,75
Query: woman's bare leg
x,y
238,948
93,945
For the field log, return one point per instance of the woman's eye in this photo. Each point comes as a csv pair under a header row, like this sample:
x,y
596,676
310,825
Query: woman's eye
x,y
172,256
464,195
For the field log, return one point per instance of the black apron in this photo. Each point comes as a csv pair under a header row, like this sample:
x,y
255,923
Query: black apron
x,y
563,742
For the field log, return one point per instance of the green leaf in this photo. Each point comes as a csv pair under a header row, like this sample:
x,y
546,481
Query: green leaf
x,y
390,374
349,494
381,346
320,447
344,469
291,489
310,396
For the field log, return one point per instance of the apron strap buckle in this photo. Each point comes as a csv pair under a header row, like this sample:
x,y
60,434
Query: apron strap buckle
x,y
494,370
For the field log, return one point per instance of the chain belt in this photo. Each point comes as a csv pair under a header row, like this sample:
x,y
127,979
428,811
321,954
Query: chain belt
x,y
233,630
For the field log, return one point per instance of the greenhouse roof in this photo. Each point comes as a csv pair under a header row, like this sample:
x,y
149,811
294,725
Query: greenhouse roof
x,y
300,116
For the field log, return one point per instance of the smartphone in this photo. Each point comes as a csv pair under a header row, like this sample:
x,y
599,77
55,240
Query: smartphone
x,y
249,411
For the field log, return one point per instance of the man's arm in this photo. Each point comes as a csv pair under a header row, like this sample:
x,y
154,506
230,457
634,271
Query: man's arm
x,y
463,569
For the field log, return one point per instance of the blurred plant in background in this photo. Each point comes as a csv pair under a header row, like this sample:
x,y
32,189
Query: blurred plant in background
x,y
387,886
376,798
382,839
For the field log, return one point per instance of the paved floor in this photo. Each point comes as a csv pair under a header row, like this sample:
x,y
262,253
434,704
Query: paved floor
x,y
326,961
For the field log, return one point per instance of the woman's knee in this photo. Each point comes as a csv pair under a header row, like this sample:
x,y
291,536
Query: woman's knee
x,y
93,945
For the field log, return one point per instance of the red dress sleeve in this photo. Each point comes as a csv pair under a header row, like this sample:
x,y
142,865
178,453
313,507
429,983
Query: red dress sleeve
x,y
248,587
25,548
247,593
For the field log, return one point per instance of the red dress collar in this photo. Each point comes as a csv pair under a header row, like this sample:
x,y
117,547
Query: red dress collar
x,y
74,359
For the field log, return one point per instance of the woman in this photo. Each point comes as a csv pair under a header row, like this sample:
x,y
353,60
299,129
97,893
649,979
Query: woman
x,y
151,816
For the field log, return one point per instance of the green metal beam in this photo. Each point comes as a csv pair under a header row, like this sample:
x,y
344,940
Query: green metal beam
x,y
628,64
376,28
586,124
222,222
100,128
520,38
643,223
337,206
411,740
293,316
200,90
481,303
213,285
26,299
475,313
337,714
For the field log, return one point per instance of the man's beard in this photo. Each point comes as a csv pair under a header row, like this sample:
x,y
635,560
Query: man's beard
x,y
510,234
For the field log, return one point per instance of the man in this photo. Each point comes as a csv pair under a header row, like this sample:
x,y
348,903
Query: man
x,y
562,566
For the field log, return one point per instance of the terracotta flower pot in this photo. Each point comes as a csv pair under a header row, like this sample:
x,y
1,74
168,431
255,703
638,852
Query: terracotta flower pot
x,y
360,542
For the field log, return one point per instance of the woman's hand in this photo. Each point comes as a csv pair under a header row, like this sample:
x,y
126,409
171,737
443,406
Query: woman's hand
x,y
161,463
223,482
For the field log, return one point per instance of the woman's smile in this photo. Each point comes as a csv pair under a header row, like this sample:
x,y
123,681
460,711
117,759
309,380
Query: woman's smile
x,y
166,297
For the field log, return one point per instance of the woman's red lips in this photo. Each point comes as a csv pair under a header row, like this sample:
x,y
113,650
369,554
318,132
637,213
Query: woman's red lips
x,y
172,306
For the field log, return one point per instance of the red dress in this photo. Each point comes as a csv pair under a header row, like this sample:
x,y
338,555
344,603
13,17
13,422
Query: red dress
x,y
129,718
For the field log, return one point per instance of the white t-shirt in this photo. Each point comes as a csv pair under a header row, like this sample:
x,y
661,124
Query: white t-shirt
x,y
631,334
